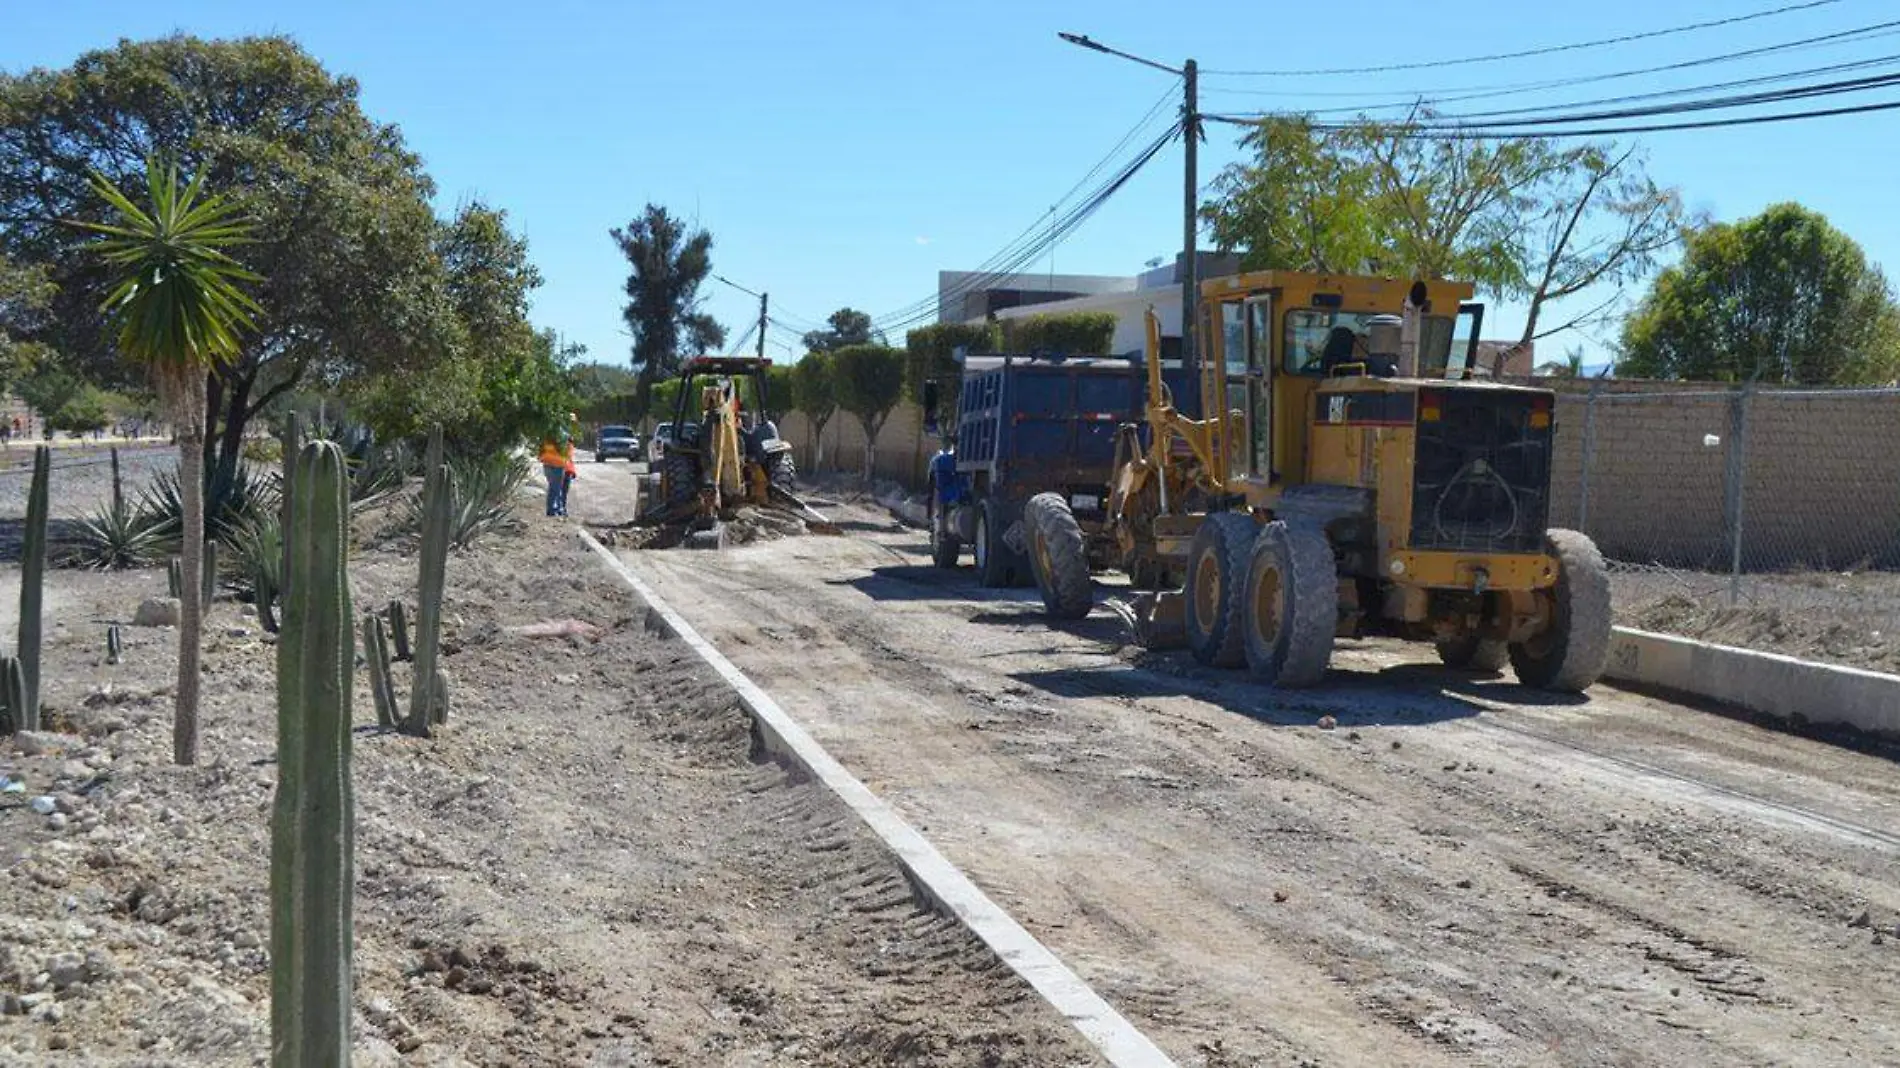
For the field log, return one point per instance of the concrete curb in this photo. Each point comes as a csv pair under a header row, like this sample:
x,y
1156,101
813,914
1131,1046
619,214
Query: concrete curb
x,y
1782,686
941,882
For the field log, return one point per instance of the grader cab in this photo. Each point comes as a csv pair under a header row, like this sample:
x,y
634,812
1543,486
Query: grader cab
x,y
1349,478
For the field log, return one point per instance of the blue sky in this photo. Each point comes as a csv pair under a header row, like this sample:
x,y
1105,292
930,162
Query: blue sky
x,y
843,153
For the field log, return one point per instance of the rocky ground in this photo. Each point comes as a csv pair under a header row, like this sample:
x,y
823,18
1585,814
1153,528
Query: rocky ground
x,y
587,868
1849,618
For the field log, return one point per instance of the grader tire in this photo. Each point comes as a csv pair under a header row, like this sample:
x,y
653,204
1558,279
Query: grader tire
x,y
1290,605
1484,656
1571,655
1058,554
1216,589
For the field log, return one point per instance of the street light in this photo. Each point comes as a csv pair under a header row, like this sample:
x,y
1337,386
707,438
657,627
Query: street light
x,y
1190,132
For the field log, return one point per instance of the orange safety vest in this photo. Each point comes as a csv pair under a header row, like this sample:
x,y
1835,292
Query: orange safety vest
x,y
552,455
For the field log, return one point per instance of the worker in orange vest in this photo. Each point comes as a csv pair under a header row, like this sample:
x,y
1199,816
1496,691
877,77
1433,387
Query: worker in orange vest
x,y
557,464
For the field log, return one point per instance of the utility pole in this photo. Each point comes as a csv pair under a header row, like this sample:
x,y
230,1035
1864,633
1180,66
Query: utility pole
x,y
762,321
1190,132
1189,74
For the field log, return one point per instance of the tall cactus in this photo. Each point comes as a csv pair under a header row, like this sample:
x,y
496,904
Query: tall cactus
x,y
427,689
12,695
209,590
312,831
293,445
399,629
382,682
32,583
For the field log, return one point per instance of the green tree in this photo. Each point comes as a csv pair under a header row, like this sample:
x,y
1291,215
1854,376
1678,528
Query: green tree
x,y
778,390
1781,297
868,381
667,263
846,326
814,393
599,381
1523,218
25,292
342,234
178,308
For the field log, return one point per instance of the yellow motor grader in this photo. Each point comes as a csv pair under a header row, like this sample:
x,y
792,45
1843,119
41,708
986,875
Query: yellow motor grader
x,y
1348,478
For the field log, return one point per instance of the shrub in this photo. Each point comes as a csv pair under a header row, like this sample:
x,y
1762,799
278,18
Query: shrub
x,y
1069,334
483,493
930,354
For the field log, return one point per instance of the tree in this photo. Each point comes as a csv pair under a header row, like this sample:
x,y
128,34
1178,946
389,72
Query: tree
x,y
25,293
848,326
177,304
813,393
667,263
868,381
1521,218
342,232
1781,297
599,381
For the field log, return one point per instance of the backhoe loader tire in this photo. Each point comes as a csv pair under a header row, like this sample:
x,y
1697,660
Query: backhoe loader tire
x,y
679,475
1571,654
1058,554
782,471
1216,589
996,563
1469,652
1290,604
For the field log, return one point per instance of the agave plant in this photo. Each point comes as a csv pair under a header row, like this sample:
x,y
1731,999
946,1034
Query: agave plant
x,y
255,562
482,497
252,493
115,538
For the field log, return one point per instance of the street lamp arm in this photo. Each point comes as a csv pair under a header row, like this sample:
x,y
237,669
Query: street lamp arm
x,y
1083,40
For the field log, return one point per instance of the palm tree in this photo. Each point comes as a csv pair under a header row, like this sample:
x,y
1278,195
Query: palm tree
x,y
178,309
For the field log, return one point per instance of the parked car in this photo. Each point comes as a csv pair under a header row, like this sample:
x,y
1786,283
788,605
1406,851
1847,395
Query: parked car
x,y
662,437
618,441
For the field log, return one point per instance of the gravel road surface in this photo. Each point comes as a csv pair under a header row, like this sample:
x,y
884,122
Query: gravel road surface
x,y
1460,872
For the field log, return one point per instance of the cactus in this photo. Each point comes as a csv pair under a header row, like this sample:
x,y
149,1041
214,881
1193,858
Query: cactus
x,y
26,715
434,563
439,699
312,832
118,487
175,577
12,695
382,682
115,648
399,629
293,445
210,578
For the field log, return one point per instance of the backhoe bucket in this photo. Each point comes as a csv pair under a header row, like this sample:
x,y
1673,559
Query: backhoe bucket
x,y
1161,620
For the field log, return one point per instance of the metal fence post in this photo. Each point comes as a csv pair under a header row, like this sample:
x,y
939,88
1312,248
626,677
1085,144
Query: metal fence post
x,y
1589,455
1737,476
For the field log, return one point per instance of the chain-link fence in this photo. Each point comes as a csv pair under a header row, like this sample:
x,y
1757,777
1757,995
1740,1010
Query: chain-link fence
x,y
1767,518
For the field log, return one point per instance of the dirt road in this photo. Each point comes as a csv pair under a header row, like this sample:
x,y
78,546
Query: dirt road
x,y
1460,872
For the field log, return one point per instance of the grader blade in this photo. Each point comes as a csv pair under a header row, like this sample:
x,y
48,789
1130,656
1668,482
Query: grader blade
x,y
1161,620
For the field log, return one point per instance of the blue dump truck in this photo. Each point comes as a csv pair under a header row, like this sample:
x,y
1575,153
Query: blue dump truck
x,y
1026,425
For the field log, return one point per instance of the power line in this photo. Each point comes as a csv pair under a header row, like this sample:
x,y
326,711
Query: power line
x,y
1011,247
1528,53
1048,238
1455,134
1454,94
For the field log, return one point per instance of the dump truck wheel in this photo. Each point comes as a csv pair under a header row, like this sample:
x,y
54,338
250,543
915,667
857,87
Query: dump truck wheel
x,y
1571,654
679,477
944,544
1216,589
1058,553
782,471
1290,605
1472,653
995,563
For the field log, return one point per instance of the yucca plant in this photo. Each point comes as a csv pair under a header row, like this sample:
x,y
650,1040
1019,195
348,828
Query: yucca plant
x,y
177,306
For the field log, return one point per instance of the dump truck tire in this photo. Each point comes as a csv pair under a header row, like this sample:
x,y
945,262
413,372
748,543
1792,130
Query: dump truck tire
x,y
1216,589
1571,655
1290,604
782,472
679,478
995,563
1058,554
1472,653
944,543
